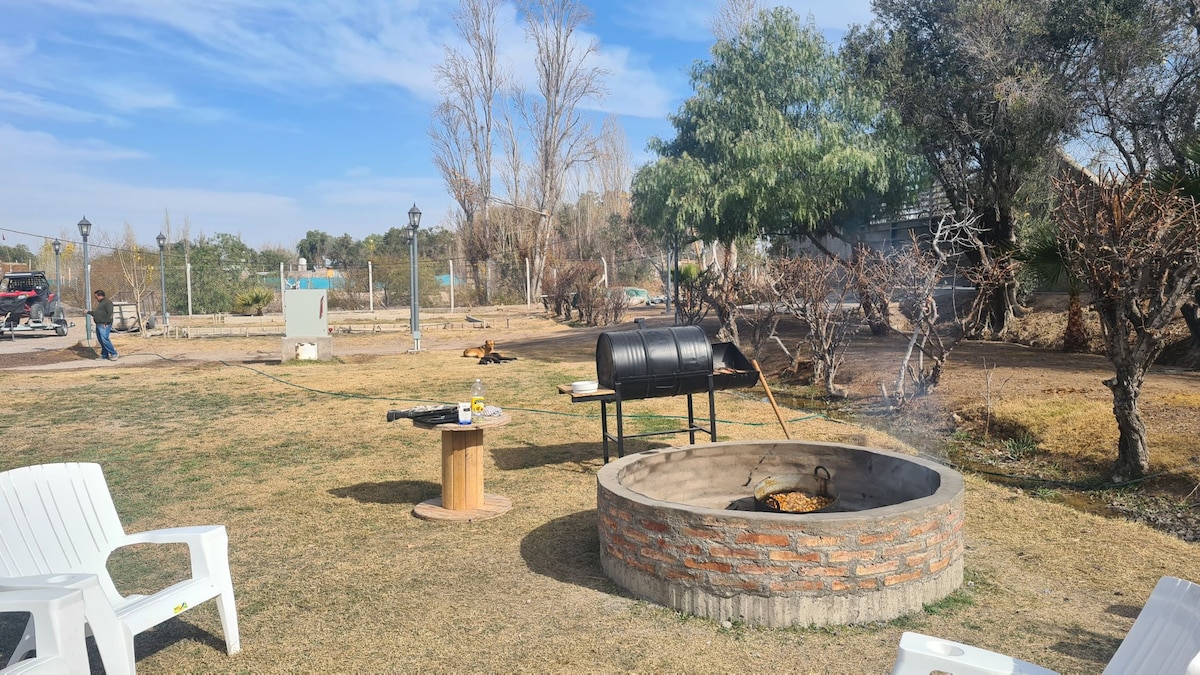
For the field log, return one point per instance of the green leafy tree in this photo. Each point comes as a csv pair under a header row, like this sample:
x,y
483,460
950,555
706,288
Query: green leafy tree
x,y
315,247
345,251
222,266
19,253
1045,261
776,139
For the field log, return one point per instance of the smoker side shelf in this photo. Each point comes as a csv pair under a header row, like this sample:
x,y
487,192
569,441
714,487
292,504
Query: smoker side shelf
x,y
606,396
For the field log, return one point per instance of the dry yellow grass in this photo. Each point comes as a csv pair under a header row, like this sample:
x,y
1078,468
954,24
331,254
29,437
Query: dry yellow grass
x,y
334,574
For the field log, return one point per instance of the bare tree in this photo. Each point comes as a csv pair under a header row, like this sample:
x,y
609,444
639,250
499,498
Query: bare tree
x,y
762,309
815,290
464,126
1138,251
920,268
135,263
874,276
560,287
732,16
560,136
603,207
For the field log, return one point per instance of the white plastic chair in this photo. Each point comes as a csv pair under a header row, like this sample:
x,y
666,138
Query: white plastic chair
x,y
1164,640
58,526
60,645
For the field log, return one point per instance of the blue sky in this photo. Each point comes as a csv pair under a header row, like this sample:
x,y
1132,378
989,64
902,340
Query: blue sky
x,y
269,118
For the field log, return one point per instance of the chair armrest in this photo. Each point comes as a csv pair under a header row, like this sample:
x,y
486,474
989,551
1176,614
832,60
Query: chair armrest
x,y
39,581
21,600
208,547
923,654
176,535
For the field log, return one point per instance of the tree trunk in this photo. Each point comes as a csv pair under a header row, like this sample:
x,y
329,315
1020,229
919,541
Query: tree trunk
x,y
1075,337
1133,455
725,303
1191,316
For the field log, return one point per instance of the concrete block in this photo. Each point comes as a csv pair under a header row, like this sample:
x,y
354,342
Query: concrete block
x,y
290,347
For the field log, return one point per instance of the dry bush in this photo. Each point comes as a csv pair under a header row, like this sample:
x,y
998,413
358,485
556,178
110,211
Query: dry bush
x,y
919,270
599,306
874,275
760,309
815,290
559,286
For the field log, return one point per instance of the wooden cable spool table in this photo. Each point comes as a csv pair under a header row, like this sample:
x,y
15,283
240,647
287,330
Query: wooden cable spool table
x,y
463,499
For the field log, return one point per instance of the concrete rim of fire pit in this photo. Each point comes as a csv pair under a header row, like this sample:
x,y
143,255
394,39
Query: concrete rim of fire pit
x,y
668,536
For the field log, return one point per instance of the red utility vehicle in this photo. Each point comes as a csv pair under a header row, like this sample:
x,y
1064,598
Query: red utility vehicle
x,y
28,304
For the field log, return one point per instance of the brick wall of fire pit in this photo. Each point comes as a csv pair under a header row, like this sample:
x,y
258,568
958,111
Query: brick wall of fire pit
x,y
667,534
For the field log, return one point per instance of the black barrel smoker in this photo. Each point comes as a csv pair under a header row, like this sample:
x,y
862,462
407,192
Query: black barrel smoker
x,y
655,362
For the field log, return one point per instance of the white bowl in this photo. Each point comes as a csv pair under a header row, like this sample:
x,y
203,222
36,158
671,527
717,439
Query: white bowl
x,y
584,386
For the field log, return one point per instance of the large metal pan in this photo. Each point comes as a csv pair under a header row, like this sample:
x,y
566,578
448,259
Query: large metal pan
x,y
818,484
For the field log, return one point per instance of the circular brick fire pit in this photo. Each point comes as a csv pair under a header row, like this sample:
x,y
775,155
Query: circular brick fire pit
x,y
672,531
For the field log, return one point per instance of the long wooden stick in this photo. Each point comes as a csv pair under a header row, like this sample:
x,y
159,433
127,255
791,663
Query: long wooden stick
x,y
771,397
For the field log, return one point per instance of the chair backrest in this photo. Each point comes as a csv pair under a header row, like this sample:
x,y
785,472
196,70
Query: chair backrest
x,y
57,519
1165,638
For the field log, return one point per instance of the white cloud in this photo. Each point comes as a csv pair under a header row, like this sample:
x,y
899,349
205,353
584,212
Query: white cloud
x,y
633,89
46,183
127,97
282,44
34,106
25,148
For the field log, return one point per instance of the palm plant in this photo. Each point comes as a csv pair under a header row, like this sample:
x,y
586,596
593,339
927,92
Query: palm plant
x,y
1045,261
254,299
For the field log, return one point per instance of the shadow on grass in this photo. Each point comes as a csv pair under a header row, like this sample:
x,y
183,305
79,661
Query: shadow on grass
x,y
582,454
530,455
152,641
1087,645
390,492
164,635
567,549
1127,611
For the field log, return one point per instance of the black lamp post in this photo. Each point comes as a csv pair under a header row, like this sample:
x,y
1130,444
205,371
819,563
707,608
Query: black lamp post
x,y
414,221
57,277
162,273
85,228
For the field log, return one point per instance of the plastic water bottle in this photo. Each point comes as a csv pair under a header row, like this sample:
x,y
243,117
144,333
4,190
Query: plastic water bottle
x,y
477,402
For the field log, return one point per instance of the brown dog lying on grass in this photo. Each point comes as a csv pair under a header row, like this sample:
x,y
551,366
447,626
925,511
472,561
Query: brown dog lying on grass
x,y
487,353
479,352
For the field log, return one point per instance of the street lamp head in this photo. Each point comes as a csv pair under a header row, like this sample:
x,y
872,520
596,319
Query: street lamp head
x,y
85,228
57,246
414,218
162,241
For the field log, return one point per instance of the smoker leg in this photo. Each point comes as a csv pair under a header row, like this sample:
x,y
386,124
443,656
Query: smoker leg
x,y
691,421
712,411
620,427
604,426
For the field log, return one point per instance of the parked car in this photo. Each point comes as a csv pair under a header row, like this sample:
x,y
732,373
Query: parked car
x,y
637,296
